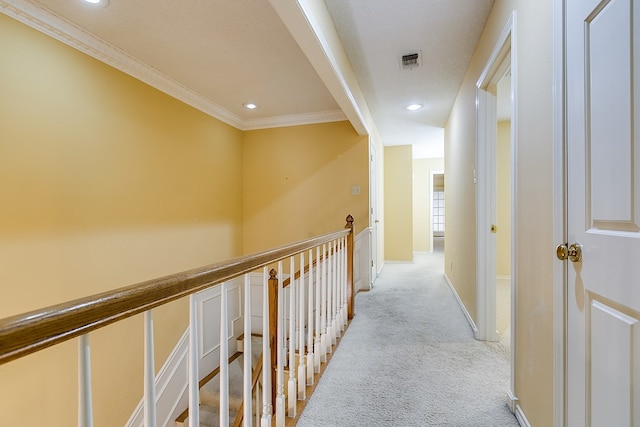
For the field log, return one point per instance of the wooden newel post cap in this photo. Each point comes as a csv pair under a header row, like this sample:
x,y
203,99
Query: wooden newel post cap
x,y
349,222
272,274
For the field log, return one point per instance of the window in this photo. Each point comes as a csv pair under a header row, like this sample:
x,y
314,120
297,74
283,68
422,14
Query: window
x,y
438,213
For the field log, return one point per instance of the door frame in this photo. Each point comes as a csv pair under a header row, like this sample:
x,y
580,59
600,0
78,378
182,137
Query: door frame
x,y
559,212
502,59
373,212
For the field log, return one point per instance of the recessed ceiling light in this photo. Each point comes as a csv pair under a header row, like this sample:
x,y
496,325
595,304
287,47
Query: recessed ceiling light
x,y
100,3
413,107
250,106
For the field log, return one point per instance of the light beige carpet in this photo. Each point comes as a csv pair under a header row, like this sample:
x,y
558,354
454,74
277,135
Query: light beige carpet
x,y
409,359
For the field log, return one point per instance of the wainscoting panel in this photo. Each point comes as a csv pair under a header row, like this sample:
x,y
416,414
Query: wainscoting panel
x,y
171,381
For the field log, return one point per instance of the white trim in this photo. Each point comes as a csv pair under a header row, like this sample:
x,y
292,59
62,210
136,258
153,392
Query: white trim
x,y
514,195
310,24
502,58
512,401
464,309
70,34
521,417
559,214
497,64
362,260
294,120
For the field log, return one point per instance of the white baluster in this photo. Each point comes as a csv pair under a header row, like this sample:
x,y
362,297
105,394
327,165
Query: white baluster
x,y
334,293
280,399
310,357
267,408
302,374
345,313
149,372
330,297
338,275
340,289
316,344
323,309
247,363
85,405
224,357
194,390
291,395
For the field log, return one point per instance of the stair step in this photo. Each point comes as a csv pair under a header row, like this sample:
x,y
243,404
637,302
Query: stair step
x,y
256,344
209,417
210,392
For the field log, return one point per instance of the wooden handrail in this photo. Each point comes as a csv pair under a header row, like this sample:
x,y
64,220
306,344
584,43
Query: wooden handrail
x,y
27,333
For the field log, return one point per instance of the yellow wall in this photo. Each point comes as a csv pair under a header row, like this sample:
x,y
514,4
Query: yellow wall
x,y
534,304
105,182
422,202
503,236
398,203
298,182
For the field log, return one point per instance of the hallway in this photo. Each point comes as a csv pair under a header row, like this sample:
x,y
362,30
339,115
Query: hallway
x,y
409,359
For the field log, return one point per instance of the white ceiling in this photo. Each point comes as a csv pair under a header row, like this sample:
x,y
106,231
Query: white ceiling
x,y
376,33
229,52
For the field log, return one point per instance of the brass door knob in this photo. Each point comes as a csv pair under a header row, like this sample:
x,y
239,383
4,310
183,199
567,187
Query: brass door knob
x,y
562,252
573,252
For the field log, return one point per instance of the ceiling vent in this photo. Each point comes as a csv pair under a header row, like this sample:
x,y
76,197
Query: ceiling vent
x,y
410,60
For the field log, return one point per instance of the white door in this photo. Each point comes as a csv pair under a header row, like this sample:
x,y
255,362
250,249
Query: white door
x,y
603,197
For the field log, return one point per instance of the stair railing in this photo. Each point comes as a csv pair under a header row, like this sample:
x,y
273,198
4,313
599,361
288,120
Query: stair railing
x,y
326,301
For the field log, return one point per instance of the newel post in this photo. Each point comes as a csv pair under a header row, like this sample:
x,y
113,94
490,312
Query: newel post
x,y
273,329
350,292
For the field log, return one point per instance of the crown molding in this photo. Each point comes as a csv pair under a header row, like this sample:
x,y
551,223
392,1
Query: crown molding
x,y
66,32
295,120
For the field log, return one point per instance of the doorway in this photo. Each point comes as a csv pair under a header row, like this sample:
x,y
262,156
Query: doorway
x,y
436,227
503,213
489,182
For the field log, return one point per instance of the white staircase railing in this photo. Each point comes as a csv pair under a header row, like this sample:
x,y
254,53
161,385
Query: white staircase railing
x,y
320,302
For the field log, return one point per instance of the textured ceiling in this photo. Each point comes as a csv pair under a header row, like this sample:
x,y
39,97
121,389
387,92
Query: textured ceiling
x,y
235,51
376,33
231,52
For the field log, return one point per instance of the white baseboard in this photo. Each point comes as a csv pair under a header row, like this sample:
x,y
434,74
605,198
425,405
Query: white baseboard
x,y
521,417
474,328
512,401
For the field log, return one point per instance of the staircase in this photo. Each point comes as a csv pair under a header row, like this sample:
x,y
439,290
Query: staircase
x,y
210,388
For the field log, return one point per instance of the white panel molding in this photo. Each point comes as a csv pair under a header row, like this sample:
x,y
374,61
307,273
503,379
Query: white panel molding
x,y
474,328
521,417
172,379
70,34
362,261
